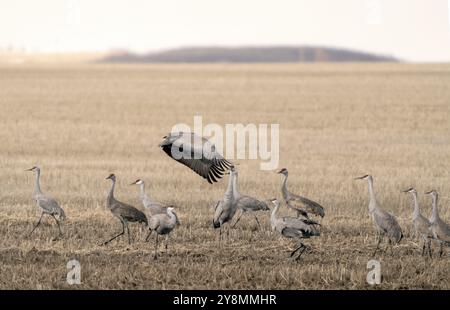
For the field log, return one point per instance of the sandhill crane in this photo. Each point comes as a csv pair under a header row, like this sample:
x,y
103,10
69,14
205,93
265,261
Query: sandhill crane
x,y
151,206
124,212
226,207
47,204
292,227
197,153
440,229
422,225
162,224
246,203
302,205
385,223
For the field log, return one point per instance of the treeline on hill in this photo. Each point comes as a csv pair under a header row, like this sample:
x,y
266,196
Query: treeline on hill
x,y
246,55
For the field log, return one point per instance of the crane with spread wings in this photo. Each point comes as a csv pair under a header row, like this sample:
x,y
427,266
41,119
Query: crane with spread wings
x,y
197,153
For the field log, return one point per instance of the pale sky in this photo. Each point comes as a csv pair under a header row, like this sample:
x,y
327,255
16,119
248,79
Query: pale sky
x,y
414,30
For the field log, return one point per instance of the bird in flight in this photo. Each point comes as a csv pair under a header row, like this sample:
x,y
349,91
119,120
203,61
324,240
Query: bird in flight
x,y
197,153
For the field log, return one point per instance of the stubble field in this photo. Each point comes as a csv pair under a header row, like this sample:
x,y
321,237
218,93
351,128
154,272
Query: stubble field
x,y
80,123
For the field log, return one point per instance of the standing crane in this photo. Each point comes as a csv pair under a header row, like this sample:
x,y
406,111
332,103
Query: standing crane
x,y
124,212
162,224
151,206
292,227
226,207
385,223
440,229
246,203
302,205
47,204
422,225
197,153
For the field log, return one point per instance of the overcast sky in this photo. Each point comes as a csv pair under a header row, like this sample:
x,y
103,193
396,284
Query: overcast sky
x,y
414,30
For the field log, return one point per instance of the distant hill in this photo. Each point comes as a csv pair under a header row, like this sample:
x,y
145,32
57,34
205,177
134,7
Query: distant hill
x,y
247,55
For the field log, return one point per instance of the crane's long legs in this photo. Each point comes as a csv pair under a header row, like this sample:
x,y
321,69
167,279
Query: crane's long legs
x,y
297,248
378,245
148,235
302,247
37,224
167,243
429,248
257,221
156,247
59,226
128,232
120,234
242,212
239,218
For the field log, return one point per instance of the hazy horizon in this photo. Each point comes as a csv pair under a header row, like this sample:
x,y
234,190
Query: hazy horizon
x,y
415,30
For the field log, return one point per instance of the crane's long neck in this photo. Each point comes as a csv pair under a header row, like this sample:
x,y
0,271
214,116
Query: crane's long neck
x,y
416,205
284,189
235,191
111,191
37,186
373,200
143,195
435,214
172,216
273,215
229,191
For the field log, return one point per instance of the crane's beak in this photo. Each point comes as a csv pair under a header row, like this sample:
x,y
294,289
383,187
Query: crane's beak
x,y
360,178
406,190
428,193
31,169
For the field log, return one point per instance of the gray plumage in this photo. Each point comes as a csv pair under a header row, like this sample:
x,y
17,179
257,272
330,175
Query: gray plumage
x,y
422,225
385,223
439,229
47,204
246,203
295,228
151,207
197,153
226,207
301,205
124,212
162,224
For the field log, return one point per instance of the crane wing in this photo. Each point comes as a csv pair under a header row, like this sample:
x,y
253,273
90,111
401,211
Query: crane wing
x,y
197,153
129,212
388,224
250,203
308,227
297,202
48,204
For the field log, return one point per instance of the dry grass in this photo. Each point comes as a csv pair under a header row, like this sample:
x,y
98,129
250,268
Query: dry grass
x,y
337,122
